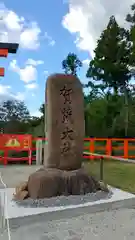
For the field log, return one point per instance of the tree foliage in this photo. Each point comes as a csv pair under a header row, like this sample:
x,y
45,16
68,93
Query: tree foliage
x,y
111,69
71,64
112,56
14,111
14,117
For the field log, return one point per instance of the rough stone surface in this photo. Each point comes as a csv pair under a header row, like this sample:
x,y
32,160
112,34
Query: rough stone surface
x,y
21,187
21,195
44,183
103,186
52,182
65,122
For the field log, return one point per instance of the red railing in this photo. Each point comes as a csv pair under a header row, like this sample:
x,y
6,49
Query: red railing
x,y
92,145
6,158
15,143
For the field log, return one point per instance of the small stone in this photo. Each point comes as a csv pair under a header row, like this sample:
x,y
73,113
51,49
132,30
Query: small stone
x,y
103,186
21,195
21,187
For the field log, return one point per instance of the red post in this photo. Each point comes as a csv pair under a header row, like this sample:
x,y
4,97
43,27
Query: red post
x,y
92,147
2,72
125,148
30,157
5,156
109,147
3,53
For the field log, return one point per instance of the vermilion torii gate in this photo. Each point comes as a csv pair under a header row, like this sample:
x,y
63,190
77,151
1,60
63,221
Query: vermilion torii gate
x,y
6,48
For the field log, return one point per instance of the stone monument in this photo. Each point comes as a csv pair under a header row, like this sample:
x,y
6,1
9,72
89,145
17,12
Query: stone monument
x,y
65,122
62,173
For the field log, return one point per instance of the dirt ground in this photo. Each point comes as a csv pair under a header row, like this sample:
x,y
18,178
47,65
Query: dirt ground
x,y
14,174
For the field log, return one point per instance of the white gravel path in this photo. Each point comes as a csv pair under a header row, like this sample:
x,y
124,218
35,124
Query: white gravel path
x,y
108,225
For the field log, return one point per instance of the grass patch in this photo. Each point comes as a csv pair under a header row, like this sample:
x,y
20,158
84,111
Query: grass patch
x,y
117,174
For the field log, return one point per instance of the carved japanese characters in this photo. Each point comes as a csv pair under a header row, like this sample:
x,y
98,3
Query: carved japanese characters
x,y
65,122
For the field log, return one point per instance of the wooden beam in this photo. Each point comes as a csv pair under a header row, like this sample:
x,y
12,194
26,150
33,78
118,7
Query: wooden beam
x,y
12,47
3,52
2,72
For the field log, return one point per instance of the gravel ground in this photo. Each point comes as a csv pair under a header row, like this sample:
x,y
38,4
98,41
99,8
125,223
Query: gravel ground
x,y
65,200
14,174
118,225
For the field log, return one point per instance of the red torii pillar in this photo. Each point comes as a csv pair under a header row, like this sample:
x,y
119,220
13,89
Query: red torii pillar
x,y
6,48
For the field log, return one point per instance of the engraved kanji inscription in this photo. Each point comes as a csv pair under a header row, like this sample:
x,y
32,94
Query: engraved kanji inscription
x,y
66,114
67,134
65,147
66,93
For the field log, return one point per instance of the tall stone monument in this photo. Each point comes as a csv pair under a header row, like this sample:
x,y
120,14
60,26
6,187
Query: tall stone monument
x,y
65,122
62,173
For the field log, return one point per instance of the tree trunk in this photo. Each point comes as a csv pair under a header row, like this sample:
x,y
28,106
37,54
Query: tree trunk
x,y
126,112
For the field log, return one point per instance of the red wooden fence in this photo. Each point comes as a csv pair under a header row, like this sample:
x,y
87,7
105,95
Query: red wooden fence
x,y
18,143
110,145
9,142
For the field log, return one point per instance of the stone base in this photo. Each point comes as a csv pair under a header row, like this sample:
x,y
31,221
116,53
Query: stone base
x,y
51,182
19,215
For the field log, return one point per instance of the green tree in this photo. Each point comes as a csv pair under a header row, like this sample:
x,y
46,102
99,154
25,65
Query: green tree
x,y
42,111
110,65
37,124
103,117
130,18
71,64
14,117
12,110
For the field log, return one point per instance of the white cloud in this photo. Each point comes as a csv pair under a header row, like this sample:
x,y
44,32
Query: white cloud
x,y
46,72
14,28
12,20
4,89
27,74
36,113
34,62
13,66
6,94
49,38
86,62
19,96
30,37
87,18
31,86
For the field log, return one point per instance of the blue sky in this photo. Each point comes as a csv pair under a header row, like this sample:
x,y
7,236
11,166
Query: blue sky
x,y
55,43
46,33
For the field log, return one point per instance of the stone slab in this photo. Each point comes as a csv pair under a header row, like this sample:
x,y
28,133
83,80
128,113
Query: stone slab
x,y
21,216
